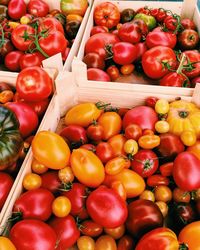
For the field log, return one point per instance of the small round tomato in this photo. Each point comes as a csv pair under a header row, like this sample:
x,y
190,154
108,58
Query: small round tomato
x,y
105,151
133,131
180,195
162,127
147,132
188,137
147,195
94,60
38,167
116,232
12,60
163,207
66,175
119,188
105,242
163,193
115,165
91,228
113,72
125,243
85,243
149,141
61,206
131,147
117,143
127,69
95,132
6,244
162,106
32,181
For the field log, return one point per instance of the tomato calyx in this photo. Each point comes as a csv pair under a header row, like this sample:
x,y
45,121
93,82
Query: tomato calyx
x,y
109,52
183,114
66,187
2,40
183,246
102,105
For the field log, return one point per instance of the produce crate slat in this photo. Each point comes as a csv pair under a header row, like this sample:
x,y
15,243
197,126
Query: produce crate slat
x,y
188,8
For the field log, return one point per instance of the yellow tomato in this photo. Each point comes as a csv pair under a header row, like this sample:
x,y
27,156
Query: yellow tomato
x,y
105,242
195,149
131,147
74,17
66,175
13,24
163,207
188,137
87,167
116,232
51,150
115,165
162,106
86,243
147,195
32,181
149,141
162,127
61,206
38,167
83,114
6,244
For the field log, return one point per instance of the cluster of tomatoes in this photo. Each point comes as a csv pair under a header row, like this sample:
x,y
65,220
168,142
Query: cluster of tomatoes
x,y
111,178
153,42
32,32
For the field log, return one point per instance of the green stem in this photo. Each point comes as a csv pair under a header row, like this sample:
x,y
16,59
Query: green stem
x,y
36,42
183,246
2,37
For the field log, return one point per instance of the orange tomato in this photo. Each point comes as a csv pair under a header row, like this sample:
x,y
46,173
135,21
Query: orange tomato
x,y
133,183
61,206
105,242
127,69
163,207
163,193
116,232
32,181
115,165
38,167
180,195
195,149
117,143
147,195
51,150
87,167
147,132
6,244
119,188
74,17
149,141
86,243
111,123
190,235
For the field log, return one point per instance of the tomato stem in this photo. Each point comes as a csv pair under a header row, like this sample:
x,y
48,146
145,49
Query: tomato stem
x,y
183,114
2,41
183,246
101,105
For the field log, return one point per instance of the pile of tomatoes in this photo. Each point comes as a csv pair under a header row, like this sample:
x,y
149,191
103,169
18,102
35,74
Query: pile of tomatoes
x,y
155,43
32,32
111,179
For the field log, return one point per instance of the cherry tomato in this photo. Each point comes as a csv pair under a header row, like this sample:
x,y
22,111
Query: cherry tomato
x,y
116,232
125,243
95,132
32,181
66,175
127,69
113,72
115,165
105,242
162,127
162,106
117,143
91,228
147,195
105,151
133,131
131,147
163,193
180,195
61,206
149,141
85,243
38,167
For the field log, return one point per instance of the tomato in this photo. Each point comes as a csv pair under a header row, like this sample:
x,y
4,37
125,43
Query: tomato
x,y
106,14
125,243
145,162
85,243
27,117
163,193
195,81
195,149
87,167
166,169
188,137
131,147
36,234
192,58
159,238
61,206
154,61
115,165
188,23
104,214
32,181
188,39
124,53
116,232
66,175
180,195
147,195
127,69
6,244
51,181
12,60
6,182
188,163
37,167
16,9
163,207
104,151
157,179
77,195
95,132
133,183
99,42
94,60
54,42
30,60
74,7
98,29
113,72
34,84
105,242
38,8
127,15
143,116
22,37
151,101
133,131
51,150
162,127
39,107
50,24
118,187
175,79
95,74
91,228
149,141
130,32
83,114
160,38
117,143
148,19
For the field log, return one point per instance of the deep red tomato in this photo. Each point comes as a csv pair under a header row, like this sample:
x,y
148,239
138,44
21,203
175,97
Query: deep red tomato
x,y
188,164
91,228
155,61
113,72
166,169
143,10
175,79
34,233
104,151
34,84
95,132
54,42
144,215
157,179
22,37
171,23
161,15
50,24
193,58
145,162
99,42
74,134
124,53
39,107
188,39
27,117
38,8
77,196
130,32
125,243
95,74
142,26
104,214
51,181
143,116
30,60
98,29
16,9
106,14
151,101
140,48
94,60
6,182
6,47
66,230
133,131
89,146
187,23
12,60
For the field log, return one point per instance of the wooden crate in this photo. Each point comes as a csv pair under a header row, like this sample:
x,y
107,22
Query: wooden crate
x,y
187,8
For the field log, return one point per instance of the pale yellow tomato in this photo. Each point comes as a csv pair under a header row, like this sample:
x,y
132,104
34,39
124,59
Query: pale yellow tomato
x,y
162,127
131,147
162,106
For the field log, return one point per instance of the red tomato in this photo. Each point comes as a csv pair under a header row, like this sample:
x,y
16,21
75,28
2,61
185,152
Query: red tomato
x,y
74,134
188,39
38,8
140,48
106,14
34,233
104,151
143,116
95,132
151,101
34,84
175,79
22,37
98,29
35,204
16,9
188,164
94,74
130,32
171,23
27,117
125,243
93,60
104,214
155,61
39,107
113,72
124,53
192,57
6,182
195,81
157,179
145,162
187,23
66,230
51,181
166,169
12,60
30,60
50,24
142,26
90,228
133,131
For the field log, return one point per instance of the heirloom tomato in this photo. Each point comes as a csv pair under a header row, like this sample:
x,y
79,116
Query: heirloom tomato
x,y
188,23
127,15
124,53
98,29
133,131
117,143
50,24
104,151
12,60
130,32
193,62
16,9
6,182
30,60
51,150
38,8
6,244
175,79
148,19
74,7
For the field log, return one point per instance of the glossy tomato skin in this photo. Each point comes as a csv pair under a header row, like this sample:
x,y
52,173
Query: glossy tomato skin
x,y
126,243
95,74
103,213
188,39
93,60
192,56
98,29
30,60
12,60
124,53
144,215
130,32
104,151
187,23
39,107
91,228
51,181
153,59
175,79
157,179
143,116
74,133
6,244
41,84
141,48
50,24
35,204
38,8
34,233
66,230
16,9
6,182
117,143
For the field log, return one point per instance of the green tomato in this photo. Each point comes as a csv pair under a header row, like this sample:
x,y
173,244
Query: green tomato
x,y
149,20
